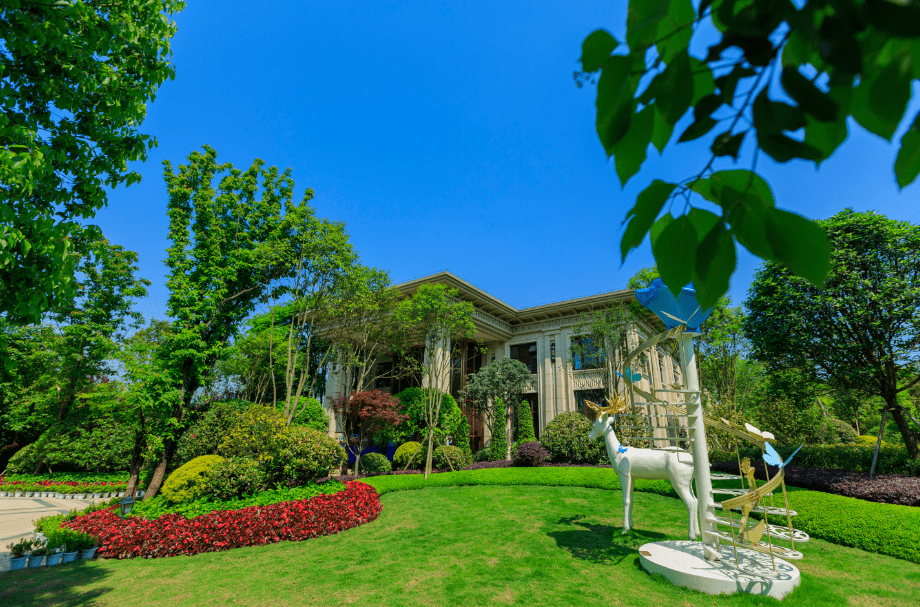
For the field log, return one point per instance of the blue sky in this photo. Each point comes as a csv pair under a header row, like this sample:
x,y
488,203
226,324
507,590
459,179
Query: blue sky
x,y
443,137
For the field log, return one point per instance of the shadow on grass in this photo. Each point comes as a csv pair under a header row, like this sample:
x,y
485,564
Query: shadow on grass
x,y
58,585
600,544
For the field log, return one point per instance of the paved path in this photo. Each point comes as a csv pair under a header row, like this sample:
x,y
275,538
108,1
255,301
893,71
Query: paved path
x,y
17,514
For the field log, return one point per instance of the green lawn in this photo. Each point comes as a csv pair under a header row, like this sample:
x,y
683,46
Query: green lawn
x,y
474,545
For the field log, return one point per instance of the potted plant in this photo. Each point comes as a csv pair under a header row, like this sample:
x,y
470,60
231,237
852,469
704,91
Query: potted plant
x,y
19,553
17,492
54,556
37,556
85,543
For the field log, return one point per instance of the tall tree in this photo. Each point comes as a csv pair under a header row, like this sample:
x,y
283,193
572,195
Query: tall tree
x,y
860,333
437,318
365,415
76,79
227,246
832,60
501,383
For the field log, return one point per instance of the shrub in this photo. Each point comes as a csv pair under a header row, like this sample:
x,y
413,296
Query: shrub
x,y
530,454
892,459
172,535
190,482
462,436
205,436
483,455
413,405
499,446
69,540
445,458
312,415
525,423
843,431
80,443
375,462
566,439
308,455
235,477
262,434
404,453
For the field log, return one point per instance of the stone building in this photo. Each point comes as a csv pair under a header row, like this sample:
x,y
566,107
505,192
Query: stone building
x,y
541,337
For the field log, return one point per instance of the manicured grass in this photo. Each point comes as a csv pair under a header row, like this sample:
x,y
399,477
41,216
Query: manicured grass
x,y
468,545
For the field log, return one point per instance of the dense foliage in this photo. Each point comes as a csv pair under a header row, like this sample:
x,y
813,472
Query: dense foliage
x,y
525,431
308,454
368,415
892,459
501,380
566,439
173,534
235,477
375,462
205,435
412,405
530,454
451,457
190,481
408,454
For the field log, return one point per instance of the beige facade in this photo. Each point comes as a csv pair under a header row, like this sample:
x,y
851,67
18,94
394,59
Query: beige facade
x,y
557,385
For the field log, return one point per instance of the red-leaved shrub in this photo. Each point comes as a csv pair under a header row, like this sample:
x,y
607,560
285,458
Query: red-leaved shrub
x,y
172,534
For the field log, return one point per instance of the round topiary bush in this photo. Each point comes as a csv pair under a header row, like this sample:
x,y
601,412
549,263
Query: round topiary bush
x,y
309,412
308,454
260,433
844,432
451,456
375,462
566,439
235,477
404,452
530,454
190,482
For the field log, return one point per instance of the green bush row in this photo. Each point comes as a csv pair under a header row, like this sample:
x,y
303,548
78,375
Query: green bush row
x,y
892,459
158,506
66,489
79,477
880,528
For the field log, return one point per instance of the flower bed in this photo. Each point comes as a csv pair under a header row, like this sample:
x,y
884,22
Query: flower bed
x,y
172,534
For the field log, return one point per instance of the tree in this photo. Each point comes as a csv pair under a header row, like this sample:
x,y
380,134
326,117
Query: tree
x,y
76,79
862,332
227,247
366,414
832,60
525,431
434,315
500,381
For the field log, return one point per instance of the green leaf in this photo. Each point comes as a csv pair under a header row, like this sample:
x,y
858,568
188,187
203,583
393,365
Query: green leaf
x,y
629,153
900,19
675,252
727,144
747,200
697,129
674,31
839,45
703,82
595,50
776,116
889,93
783,149
809,97
800,244
729,82
661,131
907,165
615,103
825,136
675,89
658,227
715,263
702,221
648,204
642,22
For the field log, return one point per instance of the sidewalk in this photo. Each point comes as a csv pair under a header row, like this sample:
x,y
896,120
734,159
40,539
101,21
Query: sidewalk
x,y
17,514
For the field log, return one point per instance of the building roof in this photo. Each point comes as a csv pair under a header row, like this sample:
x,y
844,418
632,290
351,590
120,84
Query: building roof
x,y
509,314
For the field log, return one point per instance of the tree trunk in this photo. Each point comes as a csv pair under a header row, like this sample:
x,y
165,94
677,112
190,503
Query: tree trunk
x,y
159,473
910,441
39,465
137,462
509,419
430,451
878,443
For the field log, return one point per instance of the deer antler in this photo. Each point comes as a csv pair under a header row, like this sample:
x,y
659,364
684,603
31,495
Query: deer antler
x,y
616,405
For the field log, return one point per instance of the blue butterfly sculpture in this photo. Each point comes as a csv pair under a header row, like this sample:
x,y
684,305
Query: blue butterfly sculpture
x,y
772,457
621,449
634,377
673,311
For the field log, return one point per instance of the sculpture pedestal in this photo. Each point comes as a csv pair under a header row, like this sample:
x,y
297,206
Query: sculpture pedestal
x,y
682,563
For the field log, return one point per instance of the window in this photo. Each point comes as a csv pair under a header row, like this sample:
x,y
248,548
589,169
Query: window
x,y
587,353
596,396
527,354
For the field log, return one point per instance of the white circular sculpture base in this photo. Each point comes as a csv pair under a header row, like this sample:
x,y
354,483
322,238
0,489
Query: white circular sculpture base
x,y
682,563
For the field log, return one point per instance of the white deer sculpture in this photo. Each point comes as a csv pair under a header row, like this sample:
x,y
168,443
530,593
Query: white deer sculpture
x,y
631,463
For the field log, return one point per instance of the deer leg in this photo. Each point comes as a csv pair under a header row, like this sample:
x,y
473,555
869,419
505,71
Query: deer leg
x,y
681,484
626,487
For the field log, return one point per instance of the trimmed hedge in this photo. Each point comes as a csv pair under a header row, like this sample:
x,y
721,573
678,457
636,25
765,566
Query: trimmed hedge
x,y
190,482
172,535
892,459
880,528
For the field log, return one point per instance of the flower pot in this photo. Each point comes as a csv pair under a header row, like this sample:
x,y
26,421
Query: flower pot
x,y
69,557
17,494
29,493
36,561
18,563
89,553
121,494
80,496
4,493
54,559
